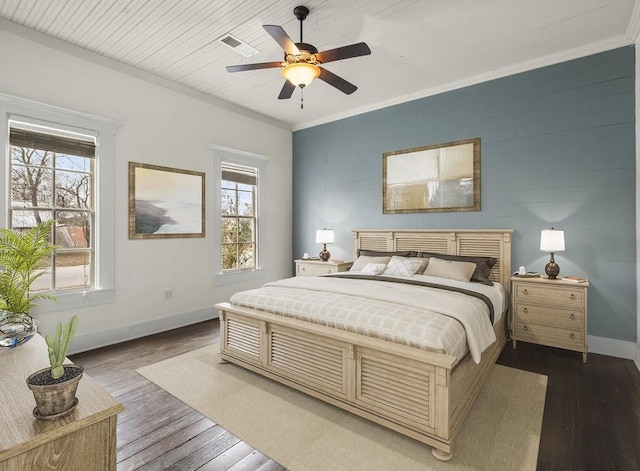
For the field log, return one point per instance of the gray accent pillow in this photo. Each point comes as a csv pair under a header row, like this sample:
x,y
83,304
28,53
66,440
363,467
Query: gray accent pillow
x,y
378,253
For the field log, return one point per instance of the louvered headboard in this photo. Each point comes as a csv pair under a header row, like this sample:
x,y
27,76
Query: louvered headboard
x,y
479,242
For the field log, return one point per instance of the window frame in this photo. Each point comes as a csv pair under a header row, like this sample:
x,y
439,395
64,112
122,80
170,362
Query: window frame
x,y
52,207
13,108
253,217
222,154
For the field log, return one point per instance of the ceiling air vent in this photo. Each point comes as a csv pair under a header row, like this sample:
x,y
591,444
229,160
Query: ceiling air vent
x,y
237,45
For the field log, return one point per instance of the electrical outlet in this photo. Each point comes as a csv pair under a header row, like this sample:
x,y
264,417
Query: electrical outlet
x,y
168,294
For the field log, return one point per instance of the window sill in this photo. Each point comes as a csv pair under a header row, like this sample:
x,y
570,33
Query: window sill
x,y
237,277
75,300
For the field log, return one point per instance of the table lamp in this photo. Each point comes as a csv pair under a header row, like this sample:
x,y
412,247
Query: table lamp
x,y
324,236
552,240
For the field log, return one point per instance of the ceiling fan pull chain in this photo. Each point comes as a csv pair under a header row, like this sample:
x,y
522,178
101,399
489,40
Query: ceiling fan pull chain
x,y
301,98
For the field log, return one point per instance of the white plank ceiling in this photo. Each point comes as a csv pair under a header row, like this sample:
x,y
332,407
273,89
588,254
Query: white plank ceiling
x,y
419,47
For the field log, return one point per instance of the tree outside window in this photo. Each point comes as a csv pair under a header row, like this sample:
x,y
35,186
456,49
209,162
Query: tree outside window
x,y
238,217
52,177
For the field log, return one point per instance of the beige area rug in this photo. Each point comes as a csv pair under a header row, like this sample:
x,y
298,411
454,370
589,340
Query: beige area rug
x,y
502,432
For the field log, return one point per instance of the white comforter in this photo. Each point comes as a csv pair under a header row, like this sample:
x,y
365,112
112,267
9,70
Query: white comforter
x,y
423,317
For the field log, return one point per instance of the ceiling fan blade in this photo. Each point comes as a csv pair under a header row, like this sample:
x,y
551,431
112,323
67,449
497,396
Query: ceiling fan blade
x,y
287,90
338,82
260,65
345,52
282,38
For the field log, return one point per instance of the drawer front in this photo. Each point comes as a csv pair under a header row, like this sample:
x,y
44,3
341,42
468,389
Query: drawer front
x,y
550,295
572,339
308,269
545,315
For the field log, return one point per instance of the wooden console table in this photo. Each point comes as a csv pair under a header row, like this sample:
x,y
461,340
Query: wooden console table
x,y
83,440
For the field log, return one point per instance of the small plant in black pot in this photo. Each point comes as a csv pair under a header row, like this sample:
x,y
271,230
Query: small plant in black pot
x,y
54,388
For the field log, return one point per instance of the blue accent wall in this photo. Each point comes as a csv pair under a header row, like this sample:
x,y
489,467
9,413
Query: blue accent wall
x,y
558,149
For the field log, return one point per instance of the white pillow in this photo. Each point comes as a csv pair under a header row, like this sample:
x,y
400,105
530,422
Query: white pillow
x,y
374,268
402,266
450,269
362,260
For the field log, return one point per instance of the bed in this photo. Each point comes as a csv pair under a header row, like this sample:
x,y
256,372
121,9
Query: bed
x,y
419,393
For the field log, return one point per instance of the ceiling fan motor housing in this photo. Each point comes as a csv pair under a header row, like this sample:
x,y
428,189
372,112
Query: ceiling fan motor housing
x,y
306,47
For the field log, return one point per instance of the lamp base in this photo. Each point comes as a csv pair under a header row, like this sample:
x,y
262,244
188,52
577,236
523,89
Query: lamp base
x,y
325,254
552,269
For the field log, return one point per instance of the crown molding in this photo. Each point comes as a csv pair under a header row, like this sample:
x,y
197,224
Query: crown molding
x,y
633,27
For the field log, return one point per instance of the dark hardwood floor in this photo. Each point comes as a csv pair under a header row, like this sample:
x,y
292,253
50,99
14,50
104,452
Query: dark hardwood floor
x,y
157,431
591,417
592,411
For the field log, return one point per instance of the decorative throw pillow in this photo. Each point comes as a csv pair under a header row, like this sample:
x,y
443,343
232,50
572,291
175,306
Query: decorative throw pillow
x,y
402,266
363,260
374,268
452,270
483,265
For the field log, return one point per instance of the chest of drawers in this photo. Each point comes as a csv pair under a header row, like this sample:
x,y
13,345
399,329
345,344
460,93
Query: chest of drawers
x,y
550,312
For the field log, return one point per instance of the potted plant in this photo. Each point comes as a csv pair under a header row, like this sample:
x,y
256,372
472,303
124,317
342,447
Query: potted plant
x,y
54,388
21,258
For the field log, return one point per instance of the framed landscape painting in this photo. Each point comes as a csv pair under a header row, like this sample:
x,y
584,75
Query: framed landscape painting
x,y
165,202
438,178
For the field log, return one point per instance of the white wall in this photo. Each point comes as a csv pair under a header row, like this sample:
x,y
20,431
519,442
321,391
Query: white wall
x,y
163,127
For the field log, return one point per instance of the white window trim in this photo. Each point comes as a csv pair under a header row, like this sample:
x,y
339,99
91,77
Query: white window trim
x,y
248,159
19,108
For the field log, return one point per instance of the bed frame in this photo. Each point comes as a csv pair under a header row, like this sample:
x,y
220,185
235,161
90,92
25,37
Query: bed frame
x,y
421,394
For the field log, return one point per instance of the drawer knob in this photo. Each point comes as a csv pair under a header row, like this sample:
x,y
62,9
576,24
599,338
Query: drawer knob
x,y
525,310
525,291
572,336
303,268
572,296
525,328
572,316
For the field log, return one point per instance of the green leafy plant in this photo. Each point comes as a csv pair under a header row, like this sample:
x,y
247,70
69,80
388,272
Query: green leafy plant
x,y
59,345
21,257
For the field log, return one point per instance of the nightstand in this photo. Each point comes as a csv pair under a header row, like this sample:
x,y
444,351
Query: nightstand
x,y
550,312
318,267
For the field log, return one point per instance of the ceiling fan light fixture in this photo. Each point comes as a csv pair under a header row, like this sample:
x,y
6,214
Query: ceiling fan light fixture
x,y
300,74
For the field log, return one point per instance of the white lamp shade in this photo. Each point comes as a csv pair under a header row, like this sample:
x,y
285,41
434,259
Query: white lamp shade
x,y
300,73
324,236
552,240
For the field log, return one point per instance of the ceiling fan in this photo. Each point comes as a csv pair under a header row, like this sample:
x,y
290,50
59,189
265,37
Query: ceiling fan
x,y
302,60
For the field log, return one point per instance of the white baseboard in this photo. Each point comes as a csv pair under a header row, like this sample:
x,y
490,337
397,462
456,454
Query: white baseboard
x,y
612,347
82,343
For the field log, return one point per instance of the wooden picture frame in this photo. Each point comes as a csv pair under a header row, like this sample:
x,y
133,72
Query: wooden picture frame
x,y
165,202
438,178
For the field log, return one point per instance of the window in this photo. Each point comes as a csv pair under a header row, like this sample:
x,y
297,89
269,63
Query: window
x,y
59,164
52,177
238,207
241,178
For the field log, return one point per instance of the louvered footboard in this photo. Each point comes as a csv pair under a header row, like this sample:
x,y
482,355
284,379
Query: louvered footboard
x,y
402,388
